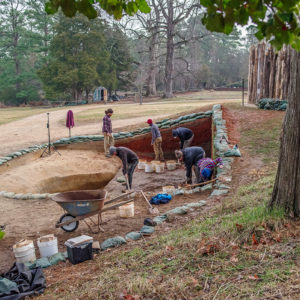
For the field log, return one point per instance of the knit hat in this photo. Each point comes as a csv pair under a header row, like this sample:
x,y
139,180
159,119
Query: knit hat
x,y
206,173
112,150
149,121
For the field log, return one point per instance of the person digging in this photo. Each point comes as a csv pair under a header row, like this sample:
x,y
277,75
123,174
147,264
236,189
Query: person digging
x,y
107,131
129,160
185,135
206,167
156,141
190,157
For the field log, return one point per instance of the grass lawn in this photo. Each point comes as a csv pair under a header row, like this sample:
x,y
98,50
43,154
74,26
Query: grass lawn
x,y
238,250
180,103
11,114
153,109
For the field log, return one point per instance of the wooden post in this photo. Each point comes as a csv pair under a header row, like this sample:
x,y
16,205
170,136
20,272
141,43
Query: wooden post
x,y
243,92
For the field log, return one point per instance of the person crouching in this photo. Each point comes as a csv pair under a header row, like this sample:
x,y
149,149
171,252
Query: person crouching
x,y
206,167
129,160
190,156
185,136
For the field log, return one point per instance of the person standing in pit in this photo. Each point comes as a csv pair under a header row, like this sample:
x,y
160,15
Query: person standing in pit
x,y
185,135
156,141
190,156
129,161
107,131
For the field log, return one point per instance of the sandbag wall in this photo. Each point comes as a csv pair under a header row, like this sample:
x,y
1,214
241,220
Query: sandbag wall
x,y
269,72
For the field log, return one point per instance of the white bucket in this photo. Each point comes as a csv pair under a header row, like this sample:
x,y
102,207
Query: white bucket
x,y
155,162
24,251
127,210
141,164
159,168
171,165
149,168
47,245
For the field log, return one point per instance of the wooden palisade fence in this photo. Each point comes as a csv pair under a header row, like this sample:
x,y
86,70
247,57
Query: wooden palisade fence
x,y
268,72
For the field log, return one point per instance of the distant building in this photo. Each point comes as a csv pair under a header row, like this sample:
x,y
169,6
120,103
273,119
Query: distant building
x,y
100,94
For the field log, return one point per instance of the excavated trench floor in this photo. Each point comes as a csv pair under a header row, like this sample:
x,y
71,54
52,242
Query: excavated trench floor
x,y
82,166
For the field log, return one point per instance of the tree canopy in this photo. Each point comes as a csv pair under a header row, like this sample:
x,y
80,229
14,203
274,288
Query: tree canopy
x,y
277,21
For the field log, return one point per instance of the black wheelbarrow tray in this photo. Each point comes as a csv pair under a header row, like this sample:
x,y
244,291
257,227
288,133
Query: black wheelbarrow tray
x,y
82,204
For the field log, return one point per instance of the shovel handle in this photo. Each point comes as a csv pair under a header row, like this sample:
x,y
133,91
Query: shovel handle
x,y
200,184
146,200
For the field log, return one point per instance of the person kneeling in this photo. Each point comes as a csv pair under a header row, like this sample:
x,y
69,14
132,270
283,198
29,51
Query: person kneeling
x,y
129,160
206,167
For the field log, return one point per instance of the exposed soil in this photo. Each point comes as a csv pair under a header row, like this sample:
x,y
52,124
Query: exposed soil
x,y
65,170
32,218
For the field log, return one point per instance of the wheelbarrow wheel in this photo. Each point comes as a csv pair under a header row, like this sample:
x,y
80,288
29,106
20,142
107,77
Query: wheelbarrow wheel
x,y
70,227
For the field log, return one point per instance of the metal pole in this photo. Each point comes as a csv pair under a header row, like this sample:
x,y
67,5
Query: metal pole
x,y
48,126
243,95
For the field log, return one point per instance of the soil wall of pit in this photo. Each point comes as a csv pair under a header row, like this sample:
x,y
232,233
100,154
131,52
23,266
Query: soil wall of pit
x,y
202,129
141,144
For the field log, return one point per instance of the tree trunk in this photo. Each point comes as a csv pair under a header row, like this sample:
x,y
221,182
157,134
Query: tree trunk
x,y
151,84
286,192
170,52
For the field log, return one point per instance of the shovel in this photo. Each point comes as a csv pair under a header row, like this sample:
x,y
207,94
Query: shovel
x,y
152,210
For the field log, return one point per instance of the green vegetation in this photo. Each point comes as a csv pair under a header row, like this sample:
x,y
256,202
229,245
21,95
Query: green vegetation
x,y
267,137
238,249
16,113
147,109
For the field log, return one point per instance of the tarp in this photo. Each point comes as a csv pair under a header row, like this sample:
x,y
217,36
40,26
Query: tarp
x,y
70,119
161,199
28,282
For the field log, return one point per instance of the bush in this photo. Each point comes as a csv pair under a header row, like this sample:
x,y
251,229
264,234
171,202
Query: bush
x,y
272,104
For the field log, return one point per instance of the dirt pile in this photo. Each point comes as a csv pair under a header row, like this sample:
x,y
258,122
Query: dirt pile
x,y
72,170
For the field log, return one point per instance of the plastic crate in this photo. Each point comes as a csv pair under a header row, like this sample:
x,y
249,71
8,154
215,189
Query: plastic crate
x,y
79,253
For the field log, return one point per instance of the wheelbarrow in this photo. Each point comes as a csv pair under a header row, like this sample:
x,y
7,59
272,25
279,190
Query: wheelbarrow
x,y
79,205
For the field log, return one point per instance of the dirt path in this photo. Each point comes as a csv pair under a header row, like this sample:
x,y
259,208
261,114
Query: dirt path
x,y
32,130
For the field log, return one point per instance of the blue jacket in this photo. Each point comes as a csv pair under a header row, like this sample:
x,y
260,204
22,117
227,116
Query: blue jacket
x,y
191,156
183,134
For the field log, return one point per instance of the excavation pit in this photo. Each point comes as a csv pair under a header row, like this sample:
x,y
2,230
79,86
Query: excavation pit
x,y
82,166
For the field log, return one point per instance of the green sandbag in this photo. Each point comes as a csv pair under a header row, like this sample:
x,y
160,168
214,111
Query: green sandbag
x,y
206,187
133,236
178,192
160,219
233,152
6,286
41,262
121,179
195,205
223,186
112,242
218,193
147,230
181,210
56,258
